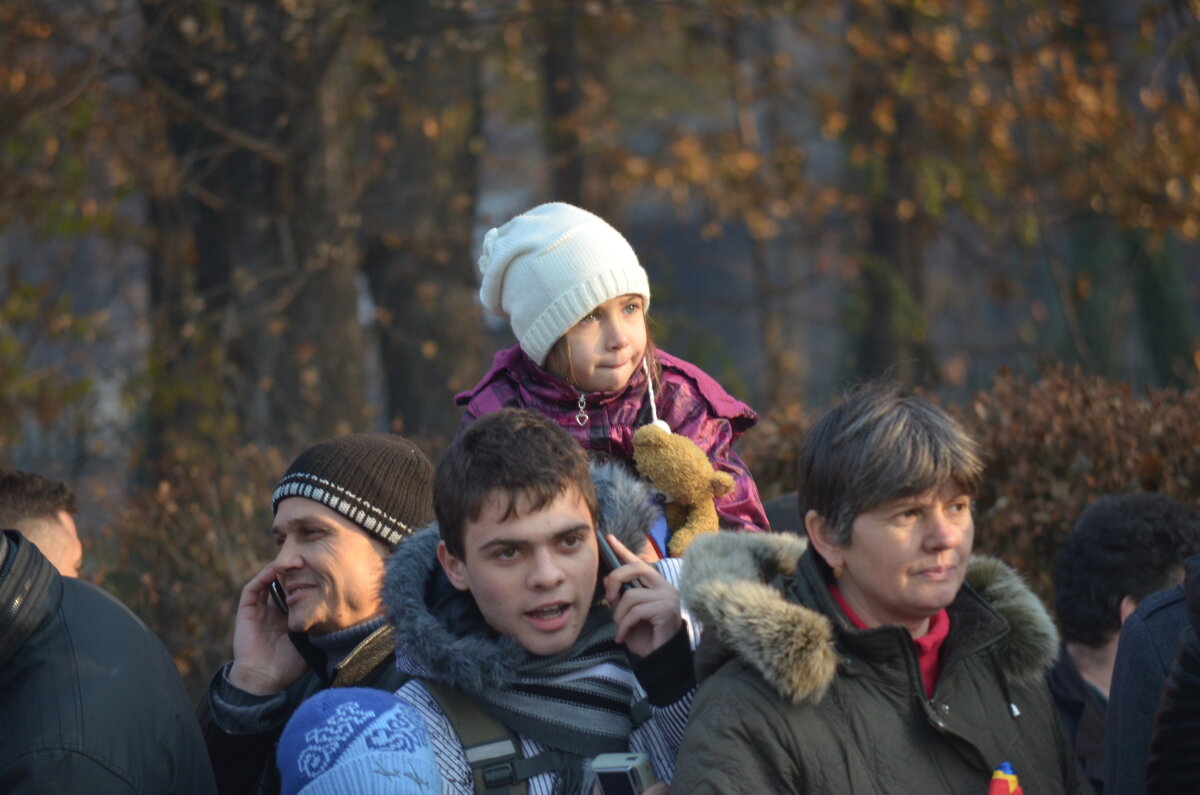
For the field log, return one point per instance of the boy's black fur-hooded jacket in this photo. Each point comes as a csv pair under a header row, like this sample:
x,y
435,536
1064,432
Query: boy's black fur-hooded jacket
x,y
794,699
439,631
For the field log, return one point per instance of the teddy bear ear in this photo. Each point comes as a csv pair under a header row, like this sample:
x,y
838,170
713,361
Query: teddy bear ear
x,y
722,484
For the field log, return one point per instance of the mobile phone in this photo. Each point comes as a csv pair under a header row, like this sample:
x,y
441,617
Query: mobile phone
x,y
278,596
623,774
611,561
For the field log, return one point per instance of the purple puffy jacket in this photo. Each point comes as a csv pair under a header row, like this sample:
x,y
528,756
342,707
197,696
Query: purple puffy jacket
x,y
688,400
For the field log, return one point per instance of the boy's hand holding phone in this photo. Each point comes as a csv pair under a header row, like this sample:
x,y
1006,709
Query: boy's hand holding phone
x,y
646,614
264,659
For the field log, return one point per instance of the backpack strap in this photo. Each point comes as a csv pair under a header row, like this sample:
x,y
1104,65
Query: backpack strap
x,y
640,712
492,750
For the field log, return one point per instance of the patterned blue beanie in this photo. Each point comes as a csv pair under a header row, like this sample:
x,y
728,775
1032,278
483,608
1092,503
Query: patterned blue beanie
x,y
358,740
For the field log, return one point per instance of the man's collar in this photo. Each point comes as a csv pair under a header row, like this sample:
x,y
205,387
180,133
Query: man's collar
x,y
30,589
325,653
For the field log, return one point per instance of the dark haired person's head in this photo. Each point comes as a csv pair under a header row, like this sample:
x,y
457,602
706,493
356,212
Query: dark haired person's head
x,y
43,510
886,481
1123,548
514,456
517,512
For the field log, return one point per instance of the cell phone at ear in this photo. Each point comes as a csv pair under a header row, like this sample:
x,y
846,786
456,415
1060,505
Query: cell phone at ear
x,y
610,561
623,774
278,596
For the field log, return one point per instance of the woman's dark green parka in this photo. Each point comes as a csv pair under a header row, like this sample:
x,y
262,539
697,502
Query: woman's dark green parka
x,y
794,699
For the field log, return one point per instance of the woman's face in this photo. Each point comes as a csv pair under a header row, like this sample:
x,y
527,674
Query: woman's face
x,y
606,347
906,559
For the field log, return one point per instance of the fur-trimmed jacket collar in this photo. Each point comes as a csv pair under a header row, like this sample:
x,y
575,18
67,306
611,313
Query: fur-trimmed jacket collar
x,y
763,599
439,631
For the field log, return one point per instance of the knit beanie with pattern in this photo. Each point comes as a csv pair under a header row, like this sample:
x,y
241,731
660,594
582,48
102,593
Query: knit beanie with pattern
x,y
549,267
356,740
381,482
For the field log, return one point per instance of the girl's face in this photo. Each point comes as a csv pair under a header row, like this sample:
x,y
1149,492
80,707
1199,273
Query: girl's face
x,y
606,347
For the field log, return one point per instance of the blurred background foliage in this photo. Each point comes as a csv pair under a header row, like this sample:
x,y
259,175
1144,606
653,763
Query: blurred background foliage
x,y
229,229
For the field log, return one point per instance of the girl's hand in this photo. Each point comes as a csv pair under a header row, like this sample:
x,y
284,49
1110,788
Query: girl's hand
x,y
646,616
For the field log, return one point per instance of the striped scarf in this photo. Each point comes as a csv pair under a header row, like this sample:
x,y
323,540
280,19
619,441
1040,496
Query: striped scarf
x,y
576,701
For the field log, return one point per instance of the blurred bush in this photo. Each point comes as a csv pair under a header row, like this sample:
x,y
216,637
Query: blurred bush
x,y
1054,443
1059,441
181,549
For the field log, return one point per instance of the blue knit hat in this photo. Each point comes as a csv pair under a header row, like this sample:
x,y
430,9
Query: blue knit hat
x,y
358,740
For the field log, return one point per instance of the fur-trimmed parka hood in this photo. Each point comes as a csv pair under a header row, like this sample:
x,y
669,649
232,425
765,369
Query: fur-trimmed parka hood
x,y
738,586
439,628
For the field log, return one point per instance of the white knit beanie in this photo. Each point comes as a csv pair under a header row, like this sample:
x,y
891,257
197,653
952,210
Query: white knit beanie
x,y
547,268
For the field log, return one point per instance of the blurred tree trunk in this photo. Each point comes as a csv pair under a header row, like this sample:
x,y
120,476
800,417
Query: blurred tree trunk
x,y
419,214
1163,306
1159,280
563,97
748,49
254,260
890,326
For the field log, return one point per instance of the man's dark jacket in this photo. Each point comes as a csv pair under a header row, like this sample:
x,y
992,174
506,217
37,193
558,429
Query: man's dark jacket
x,y
1149,638
245,763
1174,764
90,700
1082,709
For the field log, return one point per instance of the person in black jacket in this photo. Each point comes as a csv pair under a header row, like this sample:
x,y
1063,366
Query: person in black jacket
x,y
340,510
1123,548
42,510
1175,743
90,700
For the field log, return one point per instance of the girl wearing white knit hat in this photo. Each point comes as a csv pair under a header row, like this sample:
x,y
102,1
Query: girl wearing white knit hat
x,y
577,297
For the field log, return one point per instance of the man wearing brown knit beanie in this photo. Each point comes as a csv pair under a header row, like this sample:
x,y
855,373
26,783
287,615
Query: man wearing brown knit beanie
x,y
340,510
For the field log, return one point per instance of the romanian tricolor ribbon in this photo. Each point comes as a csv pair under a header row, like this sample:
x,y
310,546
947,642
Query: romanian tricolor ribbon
x,y
1004,781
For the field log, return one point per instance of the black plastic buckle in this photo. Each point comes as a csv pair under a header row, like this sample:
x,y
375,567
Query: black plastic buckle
x,y
501,775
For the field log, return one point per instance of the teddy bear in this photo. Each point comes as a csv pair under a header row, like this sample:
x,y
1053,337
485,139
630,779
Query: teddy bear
x,y
678,468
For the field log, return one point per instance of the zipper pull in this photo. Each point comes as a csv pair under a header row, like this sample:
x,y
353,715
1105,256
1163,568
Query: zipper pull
x,y
582,417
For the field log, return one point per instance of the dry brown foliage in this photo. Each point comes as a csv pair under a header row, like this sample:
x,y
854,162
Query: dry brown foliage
x,y
1057,442
180,552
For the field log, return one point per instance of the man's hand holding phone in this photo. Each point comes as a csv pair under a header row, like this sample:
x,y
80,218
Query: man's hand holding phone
x,y
264,659
646,613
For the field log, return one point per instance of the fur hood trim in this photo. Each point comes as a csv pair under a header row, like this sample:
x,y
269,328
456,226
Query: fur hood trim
x,y
1031,647
732,584
725,584
426,644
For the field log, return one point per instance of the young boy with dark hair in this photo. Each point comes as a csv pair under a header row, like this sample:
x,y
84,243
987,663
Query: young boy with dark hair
x,y
506,605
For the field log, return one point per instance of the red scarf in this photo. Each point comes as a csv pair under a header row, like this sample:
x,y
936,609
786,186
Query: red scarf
x,y
928,645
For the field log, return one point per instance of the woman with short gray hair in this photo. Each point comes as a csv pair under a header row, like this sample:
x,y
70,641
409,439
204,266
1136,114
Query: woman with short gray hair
x,y
880,655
